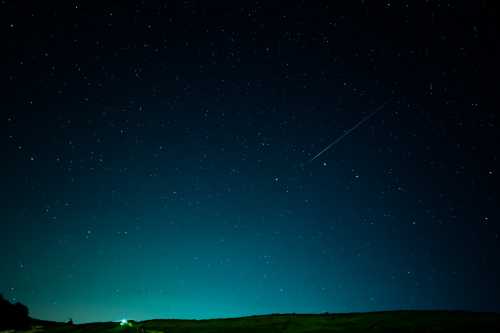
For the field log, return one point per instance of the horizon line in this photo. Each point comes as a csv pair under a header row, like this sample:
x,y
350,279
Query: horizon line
x,y
325,313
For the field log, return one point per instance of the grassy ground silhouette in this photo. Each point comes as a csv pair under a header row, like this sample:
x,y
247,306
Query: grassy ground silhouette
x,y
387,322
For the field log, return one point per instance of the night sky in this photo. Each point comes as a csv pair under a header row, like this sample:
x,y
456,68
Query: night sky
x,y
158,159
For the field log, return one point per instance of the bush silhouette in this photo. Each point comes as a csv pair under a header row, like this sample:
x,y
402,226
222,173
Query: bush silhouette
x,y
13,316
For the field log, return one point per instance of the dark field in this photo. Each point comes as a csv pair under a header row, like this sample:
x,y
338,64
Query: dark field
x,y
397,321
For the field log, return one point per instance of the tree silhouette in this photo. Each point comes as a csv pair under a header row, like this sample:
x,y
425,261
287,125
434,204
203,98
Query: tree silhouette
x,y
13,316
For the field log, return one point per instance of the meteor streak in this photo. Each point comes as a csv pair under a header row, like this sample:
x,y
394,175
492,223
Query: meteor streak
x,y
346,133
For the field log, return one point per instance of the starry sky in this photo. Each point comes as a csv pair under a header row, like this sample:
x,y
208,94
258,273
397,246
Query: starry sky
x,y
157,157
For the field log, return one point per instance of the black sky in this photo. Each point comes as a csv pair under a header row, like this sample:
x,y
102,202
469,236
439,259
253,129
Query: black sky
x,y
156,157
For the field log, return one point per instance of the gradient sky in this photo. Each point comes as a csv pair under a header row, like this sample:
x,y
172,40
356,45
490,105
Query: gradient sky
x,y
155,158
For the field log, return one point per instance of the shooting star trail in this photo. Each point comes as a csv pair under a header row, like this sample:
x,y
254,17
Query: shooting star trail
x,y
346,133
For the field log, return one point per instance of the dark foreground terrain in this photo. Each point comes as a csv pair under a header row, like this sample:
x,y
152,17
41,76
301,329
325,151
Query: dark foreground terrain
x,y
397,321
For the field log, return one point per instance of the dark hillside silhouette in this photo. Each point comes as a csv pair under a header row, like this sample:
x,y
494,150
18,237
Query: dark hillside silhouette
x,y
13,316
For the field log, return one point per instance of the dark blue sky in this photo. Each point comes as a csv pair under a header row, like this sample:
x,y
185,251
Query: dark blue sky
x,y
156,158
